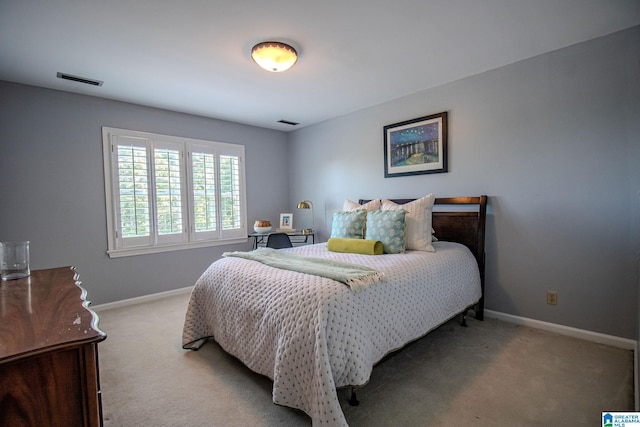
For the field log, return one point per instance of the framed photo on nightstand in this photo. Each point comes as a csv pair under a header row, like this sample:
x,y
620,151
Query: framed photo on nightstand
x,y
286,221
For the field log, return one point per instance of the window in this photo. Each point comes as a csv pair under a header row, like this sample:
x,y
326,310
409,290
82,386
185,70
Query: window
x,y
166,193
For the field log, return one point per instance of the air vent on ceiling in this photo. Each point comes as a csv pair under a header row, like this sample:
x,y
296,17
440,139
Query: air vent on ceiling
x,y
79,79
287,122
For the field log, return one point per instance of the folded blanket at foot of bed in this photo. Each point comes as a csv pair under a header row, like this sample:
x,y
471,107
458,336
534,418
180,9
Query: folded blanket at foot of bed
x,y
357,277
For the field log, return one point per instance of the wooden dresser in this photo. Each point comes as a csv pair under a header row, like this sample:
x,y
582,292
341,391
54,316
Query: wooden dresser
x,y
48,352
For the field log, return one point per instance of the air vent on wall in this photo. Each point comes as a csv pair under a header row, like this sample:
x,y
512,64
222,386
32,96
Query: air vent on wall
x,y
79,79
287,122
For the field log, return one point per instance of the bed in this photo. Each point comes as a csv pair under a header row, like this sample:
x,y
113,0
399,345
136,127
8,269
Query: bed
x,y
312,335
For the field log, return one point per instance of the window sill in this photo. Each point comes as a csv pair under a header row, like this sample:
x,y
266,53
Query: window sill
x,y
119,253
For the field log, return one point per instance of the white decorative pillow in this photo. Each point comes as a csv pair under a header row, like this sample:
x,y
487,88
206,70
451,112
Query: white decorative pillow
x,y
372,205
418,222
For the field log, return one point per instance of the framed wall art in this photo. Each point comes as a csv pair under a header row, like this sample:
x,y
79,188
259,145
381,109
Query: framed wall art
x,y
416,146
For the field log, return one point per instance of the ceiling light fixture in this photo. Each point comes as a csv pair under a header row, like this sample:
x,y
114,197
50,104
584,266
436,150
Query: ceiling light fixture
x,y
274,56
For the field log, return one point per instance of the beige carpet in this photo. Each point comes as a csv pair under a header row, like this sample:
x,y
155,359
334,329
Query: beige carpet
x,y
492,373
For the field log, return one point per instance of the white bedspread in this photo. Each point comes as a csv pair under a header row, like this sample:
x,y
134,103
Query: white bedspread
x,y
311,334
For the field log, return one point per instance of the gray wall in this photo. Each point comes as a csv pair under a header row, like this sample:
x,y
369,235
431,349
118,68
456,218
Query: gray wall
x,y
553,141
52,186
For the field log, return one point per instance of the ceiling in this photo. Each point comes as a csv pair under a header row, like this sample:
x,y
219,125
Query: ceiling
x,y
192,56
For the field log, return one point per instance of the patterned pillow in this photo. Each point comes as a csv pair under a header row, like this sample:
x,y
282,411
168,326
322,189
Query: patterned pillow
x,y
372,205
349,225
389,228
418,221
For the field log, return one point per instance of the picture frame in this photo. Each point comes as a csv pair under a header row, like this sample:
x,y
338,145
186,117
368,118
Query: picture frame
x,y
417,146
286,221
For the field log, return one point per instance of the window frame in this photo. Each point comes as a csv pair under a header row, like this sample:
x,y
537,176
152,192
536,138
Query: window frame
x,y
188,238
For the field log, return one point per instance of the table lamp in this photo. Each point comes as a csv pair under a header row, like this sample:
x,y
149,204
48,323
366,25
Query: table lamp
x,y
306,204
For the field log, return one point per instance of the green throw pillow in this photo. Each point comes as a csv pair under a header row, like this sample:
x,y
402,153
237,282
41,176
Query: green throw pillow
x,y
389,228
349,225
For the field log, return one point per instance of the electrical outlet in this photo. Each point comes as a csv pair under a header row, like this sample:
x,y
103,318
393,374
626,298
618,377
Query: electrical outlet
x,y
552,297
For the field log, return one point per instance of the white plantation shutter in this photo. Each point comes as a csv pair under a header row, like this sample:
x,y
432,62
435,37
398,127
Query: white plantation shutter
x,y
204,184
168,167
231,190
204,192
131,156
165,193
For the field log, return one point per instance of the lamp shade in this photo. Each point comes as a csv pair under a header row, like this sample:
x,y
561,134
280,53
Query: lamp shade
x,y
304,205
274,56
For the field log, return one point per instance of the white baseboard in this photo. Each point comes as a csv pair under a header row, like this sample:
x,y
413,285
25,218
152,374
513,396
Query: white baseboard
x,y
596,337
142,299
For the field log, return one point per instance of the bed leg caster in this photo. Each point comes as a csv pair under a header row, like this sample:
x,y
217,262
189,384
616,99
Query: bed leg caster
x,y
464,319
353,401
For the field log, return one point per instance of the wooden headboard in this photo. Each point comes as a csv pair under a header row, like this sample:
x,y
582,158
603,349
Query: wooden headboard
x,y
466,227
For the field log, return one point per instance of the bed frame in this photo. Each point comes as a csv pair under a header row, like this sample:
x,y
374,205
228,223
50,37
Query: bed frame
x,y
463,226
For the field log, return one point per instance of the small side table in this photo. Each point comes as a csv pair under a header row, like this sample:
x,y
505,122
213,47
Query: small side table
x,y
297,238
